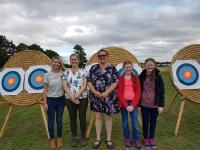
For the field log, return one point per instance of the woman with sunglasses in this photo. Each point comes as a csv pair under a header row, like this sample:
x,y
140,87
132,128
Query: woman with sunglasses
x,y
54,100
102,81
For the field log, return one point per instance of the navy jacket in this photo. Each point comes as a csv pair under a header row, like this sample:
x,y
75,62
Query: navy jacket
x,y
159,87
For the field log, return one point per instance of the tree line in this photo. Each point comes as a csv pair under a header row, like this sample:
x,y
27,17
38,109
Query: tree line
x,y
8,49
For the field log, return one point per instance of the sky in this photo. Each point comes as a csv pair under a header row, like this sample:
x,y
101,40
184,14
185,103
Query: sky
x,y
146,28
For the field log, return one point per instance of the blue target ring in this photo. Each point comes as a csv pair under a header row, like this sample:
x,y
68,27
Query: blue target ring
x,y
32,78
135,72
122,71
16,79
187,74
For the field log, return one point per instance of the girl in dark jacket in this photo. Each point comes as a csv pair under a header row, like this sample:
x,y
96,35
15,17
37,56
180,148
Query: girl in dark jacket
x,y
151,101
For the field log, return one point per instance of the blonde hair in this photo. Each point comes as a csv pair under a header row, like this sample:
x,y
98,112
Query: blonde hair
x,y
60,61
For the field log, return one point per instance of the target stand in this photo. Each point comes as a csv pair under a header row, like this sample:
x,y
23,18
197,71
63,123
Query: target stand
x,y
187,75
116,56
24,60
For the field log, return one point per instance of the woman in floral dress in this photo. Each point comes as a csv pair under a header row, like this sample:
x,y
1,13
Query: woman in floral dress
x,y
102,81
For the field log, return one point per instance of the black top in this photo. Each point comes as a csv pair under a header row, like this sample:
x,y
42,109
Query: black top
x,y
159,87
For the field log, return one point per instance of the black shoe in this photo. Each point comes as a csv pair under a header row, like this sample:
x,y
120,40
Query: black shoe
x,y
96,144
74,142
109,144
83,141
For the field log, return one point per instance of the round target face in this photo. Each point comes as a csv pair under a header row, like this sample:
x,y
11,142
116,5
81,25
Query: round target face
x,y
134,71
187,74
11,81
36,78
121,72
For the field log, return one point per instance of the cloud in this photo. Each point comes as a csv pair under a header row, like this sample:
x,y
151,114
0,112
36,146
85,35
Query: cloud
x,y
156,28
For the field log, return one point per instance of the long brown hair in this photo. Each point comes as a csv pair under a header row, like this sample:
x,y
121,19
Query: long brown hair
x,y
153,74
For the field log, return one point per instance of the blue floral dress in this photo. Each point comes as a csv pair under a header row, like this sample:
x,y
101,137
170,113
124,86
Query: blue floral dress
x,y
75,82
101,79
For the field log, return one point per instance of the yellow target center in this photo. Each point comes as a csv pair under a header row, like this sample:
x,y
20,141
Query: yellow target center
x,y
11,81
39,79
188,74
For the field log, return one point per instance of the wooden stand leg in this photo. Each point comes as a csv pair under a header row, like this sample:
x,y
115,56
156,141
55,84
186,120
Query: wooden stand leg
x,y
90,125
6,121
170,105
44,119
179,117
139,120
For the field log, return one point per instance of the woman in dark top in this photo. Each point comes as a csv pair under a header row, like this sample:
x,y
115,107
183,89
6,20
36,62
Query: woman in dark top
x,y
152,100
102,81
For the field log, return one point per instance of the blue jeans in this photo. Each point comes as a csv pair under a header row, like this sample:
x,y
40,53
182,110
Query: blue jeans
x,y
55,106
134,123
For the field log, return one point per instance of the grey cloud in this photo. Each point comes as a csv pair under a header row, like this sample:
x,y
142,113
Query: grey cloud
x,y
146,28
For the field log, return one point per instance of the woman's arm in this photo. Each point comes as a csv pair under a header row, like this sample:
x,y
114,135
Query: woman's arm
x,y
83,88
162,92
114,83
92,89
121,97
68,91
109,89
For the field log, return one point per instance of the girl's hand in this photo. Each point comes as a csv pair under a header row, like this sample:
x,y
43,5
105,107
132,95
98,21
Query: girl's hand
x,y
131,108
45,106
160,110
128,108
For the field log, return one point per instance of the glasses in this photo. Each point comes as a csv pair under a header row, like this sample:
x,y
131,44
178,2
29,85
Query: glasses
x,y
102,56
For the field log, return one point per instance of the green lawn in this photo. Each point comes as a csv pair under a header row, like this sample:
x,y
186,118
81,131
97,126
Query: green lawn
x,y
26,130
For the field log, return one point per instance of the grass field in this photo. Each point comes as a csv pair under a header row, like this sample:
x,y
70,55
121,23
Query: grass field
x,y
26,130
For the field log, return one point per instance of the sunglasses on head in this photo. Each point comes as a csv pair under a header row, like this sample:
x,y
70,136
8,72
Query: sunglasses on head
x,y
102,56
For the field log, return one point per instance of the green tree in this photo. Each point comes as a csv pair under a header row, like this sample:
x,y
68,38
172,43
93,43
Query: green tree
x,y
22,47
51,53
82,55
7,49
36,47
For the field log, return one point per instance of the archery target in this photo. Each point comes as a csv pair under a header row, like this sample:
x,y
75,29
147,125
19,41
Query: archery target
x,y
136,69
186,74
34,78
12,80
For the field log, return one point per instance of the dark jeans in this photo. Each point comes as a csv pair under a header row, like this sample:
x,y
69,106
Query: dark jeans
x,y
149,118
134,123
55,106
81,108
